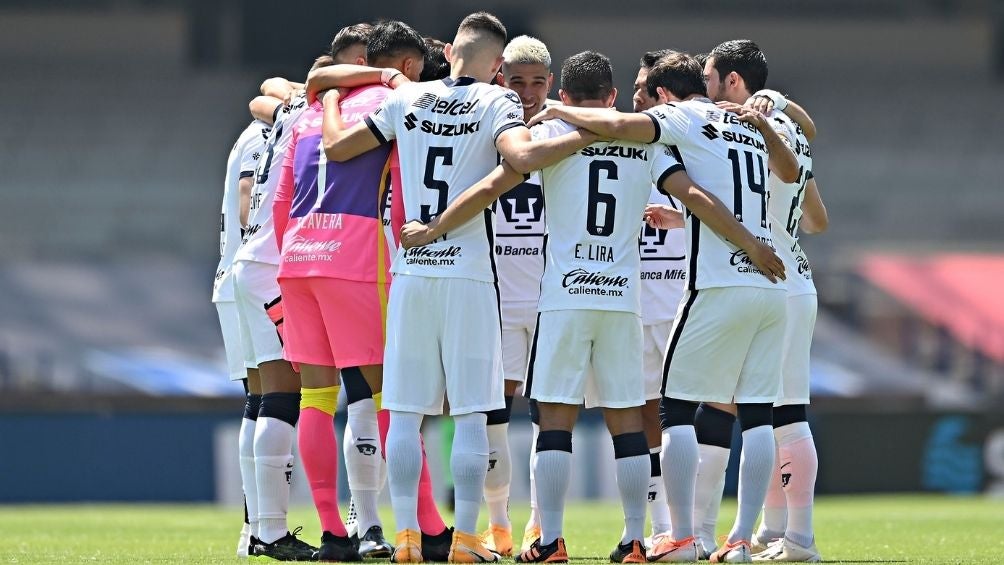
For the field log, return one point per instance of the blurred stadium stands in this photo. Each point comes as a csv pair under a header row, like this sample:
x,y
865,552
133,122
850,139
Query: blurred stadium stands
x,y
120,115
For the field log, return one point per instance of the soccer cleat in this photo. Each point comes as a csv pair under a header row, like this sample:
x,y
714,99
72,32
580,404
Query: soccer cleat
x,y
737,552
373,544
705,548
467,548
553,552
498,539
530,535
244,541
337,548
630,552
407,547
785,550
666,550
761,541
286,548
437,547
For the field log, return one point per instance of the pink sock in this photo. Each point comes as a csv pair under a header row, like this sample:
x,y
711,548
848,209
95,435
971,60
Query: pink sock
x,y
429,519
802,466
319,453
775,506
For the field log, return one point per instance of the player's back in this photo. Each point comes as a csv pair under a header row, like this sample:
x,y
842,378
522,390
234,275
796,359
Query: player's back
x,y
446,132
335,228
785,207
595,199
728,158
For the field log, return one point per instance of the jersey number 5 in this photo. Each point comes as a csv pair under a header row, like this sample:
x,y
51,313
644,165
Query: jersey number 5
x,y
432,183
596,224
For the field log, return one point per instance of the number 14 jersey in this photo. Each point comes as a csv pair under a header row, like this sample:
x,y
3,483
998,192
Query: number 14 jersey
x,y
595,199
728,158
446,132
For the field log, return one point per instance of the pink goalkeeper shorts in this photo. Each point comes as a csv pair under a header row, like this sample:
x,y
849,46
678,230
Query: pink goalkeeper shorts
x,y
334,322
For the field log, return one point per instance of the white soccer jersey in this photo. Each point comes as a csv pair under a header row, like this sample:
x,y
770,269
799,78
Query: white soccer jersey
x,y
727,158
446,132
595,199
519,242
663,267
241,164
785,208
259,240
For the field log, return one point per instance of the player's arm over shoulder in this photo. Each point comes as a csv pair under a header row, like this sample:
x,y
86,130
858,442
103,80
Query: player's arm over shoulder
x,y
814,216
342,143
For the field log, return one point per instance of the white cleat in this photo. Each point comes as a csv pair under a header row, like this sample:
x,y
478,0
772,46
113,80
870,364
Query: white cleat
x,y
786,551
244,541
760,542
705,548
738,552
667,550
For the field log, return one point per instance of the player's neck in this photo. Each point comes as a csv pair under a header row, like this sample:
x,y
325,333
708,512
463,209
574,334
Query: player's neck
x,y
461,68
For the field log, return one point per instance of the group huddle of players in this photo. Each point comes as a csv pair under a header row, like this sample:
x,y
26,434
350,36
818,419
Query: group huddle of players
x,y
646,263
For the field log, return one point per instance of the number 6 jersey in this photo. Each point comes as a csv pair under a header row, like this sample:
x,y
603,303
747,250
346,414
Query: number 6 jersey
x,y
595,199
728,158
446,132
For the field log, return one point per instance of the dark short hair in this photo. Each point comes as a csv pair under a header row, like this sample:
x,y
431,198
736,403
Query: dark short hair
x,y
702,58
436,66
678,73
356,34
391,39
485,24
744,58
649,59
587,76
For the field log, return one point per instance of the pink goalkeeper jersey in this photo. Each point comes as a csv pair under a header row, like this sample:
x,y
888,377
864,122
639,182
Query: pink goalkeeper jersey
x,y
328,215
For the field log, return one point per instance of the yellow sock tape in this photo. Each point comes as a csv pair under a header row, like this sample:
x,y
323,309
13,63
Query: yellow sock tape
x,y
324,399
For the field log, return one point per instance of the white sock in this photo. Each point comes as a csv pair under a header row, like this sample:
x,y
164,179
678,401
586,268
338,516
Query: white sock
x,y
679,444
499,475
800,465
755,466
708,526
363,459
273,466
710,477
633,474
551,468
404,465
245,447
469,465
534,520
657,506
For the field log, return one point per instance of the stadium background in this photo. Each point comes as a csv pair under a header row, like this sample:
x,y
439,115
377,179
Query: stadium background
x,y
120,113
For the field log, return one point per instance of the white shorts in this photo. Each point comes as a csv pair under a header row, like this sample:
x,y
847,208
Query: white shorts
x,y
590,356
443,335
518,322
726,346
256,290
656,340
230,326
800,321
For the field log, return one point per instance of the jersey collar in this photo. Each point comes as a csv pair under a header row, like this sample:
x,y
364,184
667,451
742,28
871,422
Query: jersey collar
x,y
459,81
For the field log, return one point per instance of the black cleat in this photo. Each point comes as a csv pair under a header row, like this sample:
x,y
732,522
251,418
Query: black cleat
x,y
630,552
337,548
286,548
252,542
437,547
553,552
373,544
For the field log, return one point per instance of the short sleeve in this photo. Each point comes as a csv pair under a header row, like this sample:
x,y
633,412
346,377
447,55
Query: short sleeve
x,y
671,123
252,151
664,165
506,113
381,121
786,130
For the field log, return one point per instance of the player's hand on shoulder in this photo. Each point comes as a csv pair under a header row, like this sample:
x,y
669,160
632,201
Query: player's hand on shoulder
x,y
548,113
415,234
767,261
331,96
751,116
729,106
662,217
766,100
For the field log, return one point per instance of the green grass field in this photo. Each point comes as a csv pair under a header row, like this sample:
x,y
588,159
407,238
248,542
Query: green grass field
x,y
873,529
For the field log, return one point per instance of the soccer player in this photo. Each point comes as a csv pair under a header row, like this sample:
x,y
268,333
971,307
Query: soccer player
x,y
663,273
261,316
236,193
733,312
734,71
519,254
447,135
335,297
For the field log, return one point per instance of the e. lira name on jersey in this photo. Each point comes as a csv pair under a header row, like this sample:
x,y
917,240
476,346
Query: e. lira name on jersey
x,y
785,207
241,163
446,132
595,198
259,241
728,158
